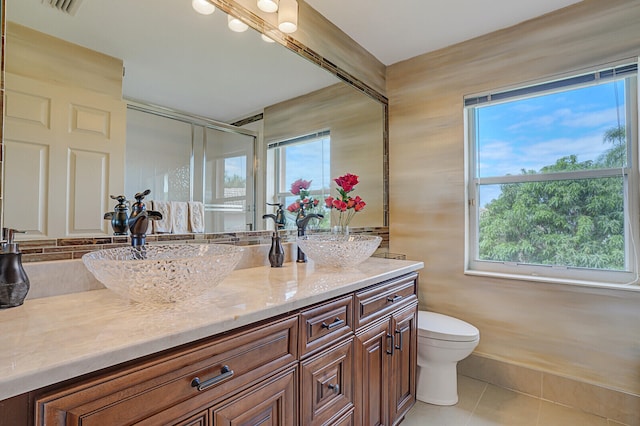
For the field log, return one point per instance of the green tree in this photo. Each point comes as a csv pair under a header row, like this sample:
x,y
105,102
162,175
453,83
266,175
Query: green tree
x,y
235,181
571,222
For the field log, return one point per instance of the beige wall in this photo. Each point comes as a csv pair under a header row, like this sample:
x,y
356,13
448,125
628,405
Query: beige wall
x,y
589,334
356,126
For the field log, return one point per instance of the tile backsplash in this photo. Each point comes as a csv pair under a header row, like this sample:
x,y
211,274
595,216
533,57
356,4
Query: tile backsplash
x,y
74,248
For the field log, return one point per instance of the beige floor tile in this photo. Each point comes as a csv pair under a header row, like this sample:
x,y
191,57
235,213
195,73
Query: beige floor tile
x,y
558,415
502,407
469,392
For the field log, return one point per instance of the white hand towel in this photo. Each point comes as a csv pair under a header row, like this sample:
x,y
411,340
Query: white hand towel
x,y
179,217
163,225
196,216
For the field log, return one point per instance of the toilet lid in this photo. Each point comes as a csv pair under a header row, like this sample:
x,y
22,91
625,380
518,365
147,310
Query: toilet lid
x,y
443,327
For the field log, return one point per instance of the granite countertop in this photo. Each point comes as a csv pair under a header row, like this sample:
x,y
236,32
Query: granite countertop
x,y
52,339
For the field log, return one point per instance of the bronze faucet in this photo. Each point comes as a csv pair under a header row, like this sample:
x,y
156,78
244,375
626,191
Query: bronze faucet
x,y
301,222
139,219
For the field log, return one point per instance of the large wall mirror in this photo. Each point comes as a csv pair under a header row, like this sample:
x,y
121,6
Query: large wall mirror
x,y
111,98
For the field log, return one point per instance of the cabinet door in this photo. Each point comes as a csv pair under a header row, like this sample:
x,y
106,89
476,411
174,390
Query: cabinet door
x,y
372,352
200,419
403,363
327,385
270,403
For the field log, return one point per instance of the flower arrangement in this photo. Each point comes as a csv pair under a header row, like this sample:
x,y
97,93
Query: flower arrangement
x,y
301,188
345,205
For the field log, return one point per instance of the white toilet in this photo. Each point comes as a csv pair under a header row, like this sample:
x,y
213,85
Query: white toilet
x,y
442,342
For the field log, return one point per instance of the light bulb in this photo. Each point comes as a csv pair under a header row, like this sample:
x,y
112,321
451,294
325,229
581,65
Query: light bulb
x,y
203,7
267,38
268,6
236,25
288,16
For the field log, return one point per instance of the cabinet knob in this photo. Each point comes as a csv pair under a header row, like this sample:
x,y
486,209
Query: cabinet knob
x,y
335,388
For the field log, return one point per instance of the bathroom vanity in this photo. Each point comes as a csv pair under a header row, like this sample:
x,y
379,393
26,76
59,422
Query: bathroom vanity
x,y
296,345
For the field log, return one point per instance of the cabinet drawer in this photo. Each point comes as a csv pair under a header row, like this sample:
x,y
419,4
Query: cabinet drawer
x,y
375,302
323,325
137,393
326,390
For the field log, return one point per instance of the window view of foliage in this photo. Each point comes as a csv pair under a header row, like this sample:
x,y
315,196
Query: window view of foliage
x,y
577,222
234,181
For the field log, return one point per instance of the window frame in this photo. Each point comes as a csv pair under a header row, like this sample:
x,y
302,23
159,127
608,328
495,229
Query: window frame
x,y
549,273
279,189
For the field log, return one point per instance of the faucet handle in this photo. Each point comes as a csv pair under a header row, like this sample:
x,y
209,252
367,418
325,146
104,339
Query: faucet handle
x,y
140,195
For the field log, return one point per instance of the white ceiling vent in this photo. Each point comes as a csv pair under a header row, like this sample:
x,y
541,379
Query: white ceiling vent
x,y
69,7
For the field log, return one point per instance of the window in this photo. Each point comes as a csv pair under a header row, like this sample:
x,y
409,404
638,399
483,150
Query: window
x,y
305,157
553,179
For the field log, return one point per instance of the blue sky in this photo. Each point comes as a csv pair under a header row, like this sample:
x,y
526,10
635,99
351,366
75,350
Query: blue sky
x,y
533,133
305,161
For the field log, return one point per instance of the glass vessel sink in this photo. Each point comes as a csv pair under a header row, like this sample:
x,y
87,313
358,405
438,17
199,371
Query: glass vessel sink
x,y
337,250
163,273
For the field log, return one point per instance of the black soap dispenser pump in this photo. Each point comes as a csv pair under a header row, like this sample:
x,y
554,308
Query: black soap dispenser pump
x,y
276,253
14,283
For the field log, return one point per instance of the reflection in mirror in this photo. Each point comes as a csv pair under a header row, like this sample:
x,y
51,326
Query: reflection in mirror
x,y
72,140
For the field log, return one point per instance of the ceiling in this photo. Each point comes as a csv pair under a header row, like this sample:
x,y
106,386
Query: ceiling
x,y
177,58
401,29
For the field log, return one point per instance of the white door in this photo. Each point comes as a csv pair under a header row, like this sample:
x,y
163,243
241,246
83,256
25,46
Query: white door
x,y
64,152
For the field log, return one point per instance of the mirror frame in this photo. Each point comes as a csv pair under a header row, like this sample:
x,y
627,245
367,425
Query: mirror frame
x,y
261,25
232,7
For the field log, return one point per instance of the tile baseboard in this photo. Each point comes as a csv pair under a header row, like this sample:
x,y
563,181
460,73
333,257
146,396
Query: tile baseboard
x,y
588,397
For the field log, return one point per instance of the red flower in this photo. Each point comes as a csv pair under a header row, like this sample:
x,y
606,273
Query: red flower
x,y
329,202
339,205
294,207
298,185
346,206
347,182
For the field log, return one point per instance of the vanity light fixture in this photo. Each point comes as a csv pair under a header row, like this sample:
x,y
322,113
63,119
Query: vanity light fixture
x,y
266,38
236,25
203,7
288,16
268,6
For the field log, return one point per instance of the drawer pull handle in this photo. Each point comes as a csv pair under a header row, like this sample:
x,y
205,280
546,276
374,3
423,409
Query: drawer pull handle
x,y
336,387
336,323
225,373
399,345
392,346
394,299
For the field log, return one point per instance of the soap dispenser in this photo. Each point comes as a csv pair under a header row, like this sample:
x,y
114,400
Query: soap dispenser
x,y
14,283
276,252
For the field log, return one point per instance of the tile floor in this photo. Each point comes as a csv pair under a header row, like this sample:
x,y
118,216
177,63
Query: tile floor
x,y
483,404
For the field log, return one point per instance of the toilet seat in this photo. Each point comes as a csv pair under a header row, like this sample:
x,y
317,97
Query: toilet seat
x,y
442,327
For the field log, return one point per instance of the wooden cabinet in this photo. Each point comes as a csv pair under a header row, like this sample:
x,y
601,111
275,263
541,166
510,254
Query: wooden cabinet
x,y
271,403
347,361
325,324
326,391
162,390
386,352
